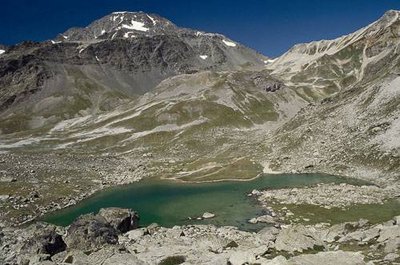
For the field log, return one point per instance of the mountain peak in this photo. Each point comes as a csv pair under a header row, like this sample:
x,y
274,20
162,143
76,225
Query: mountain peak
x,y
121,24
388,17
392,13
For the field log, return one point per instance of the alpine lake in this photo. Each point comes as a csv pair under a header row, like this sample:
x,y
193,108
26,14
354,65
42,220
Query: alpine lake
x,y
169,203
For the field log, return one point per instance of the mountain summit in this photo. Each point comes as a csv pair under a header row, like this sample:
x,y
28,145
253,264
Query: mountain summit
x,y
121,25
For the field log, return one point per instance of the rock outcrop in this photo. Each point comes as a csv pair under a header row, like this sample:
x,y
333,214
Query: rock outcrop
x,y
93,231
201,244
123,220
90,232
298,238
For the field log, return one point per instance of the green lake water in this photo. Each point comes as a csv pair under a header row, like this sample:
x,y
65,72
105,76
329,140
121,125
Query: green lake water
x,y
170,203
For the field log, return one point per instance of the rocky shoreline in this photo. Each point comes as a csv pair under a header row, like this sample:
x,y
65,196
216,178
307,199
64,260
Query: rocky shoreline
x,y
143,247
113,236
328,195
36,184
42,194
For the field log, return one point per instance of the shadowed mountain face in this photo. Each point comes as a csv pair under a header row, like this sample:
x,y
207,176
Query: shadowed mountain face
x,y
118,57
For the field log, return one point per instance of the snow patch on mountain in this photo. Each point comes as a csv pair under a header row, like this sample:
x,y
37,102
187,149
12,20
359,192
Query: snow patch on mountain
x,y
152,19
269,61
135,25
2,51
127,34
229,43
203,57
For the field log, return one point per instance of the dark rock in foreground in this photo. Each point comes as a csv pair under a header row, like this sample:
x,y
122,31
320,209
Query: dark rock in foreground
x,y
123,220
90,232
44,240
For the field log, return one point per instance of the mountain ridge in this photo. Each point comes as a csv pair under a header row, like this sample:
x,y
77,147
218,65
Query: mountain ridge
x,y
335,59
121,68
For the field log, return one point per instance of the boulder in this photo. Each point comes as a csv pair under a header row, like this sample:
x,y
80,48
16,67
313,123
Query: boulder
x,y
268,219
298,238
136,234
208,215
123,259
43,240
391,257
397,220
389,232
123,220
152,228
240,257
329,258
333,233
268,233
90,232
362,235
392,245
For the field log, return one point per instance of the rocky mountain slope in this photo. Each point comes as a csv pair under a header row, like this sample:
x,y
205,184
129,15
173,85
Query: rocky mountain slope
x,y
355,130
113,60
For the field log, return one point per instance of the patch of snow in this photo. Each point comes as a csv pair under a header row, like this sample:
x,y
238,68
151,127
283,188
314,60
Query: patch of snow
x,y
2,51
126,35
103,31
97,58
81,50
121,19
135,25
229,43
152,19
198,33
269,61
203,57
113,36
65,37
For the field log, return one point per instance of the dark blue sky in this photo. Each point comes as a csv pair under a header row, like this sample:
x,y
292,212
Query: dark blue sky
x,y
269,26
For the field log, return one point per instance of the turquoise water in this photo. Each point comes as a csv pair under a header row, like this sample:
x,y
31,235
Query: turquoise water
x,y
170,203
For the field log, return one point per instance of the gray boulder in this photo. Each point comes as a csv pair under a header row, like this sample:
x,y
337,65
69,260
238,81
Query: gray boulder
x,y
90,232
329,258
298,238
44,240
123,220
